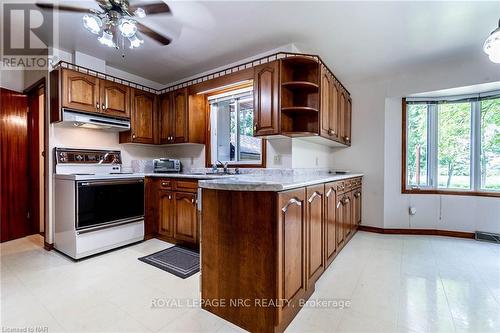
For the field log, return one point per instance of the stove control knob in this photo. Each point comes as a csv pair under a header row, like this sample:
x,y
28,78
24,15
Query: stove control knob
x,y
63,157
79,158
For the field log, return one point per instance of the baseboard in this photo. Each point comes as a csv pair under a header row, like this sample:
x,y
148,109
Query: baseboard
x,y
432,232
48,246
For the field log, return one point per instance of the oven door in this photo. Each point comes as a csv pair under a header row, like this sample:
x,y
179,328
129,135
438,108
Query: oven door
x,y
103,202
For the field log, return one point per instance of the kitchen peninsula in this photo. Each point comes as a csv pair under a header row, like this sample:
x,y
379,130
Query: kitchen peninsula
x,y
267,240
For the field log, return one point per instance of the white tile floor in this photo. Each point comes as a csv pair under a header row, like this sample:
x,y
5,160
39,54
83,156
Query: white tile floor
x,y
394,283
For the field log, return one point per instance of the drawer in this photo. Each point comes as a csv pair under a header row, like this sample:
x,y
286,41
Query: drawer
x,y
166,184
186,185
341,188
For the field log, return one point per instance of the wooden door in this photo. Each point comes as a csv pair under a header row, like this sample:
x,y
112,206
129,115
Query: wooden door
x,y
347,215
185,221
339,222
14,181
80,91
347,120
325,108
115,99
180,115
314,233
357,207
143,117
166,211
291,248
165,126
330,223
266,99
334,109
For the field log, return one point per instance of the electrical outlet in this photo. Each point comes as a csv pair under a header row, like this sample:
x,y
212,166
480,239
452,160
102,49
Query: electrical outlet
x,y
277,160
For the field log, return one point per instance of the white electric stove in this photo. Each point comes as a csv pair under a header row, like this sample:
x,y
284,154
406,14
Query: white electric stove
x,y
97,206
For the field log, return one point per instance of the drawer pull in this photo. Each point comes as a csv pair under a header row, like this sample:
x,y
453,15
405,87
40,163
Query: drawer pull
x,y
292,201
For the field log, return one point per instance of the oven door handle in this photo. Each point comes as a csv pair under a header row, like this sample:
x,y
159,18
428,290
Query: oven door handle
x,y
111,182
109,225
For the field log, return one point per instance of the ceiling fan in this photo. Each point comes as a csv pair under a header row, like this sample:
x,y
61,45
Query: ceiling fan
x,y
117,18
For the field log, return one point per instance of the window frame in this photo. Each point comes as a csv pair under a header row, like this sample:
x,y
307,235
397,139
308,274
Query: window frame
x,y
208,145
432,185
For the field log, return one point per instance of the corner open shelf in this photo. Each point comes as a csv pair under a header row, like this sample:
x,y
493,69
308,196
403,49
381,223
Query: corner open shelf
x,y
299,96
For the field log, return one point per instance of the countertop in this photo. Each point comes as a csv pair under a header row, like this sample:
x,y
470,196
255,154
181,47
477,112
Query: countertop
x,y
271,183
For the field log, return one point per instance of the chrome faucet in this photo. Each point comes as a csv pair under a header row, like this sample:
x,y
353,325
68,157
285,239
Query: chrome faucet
x,y
224,165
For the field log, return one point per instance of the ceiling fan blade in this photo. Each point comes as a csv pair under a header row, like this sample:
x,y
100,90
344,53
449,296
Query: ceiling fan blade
x,y
153,34
152,8
62,8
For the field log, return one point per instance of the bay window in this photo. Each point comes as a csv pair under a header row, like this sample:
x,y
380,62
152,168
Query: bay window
x,y
452,145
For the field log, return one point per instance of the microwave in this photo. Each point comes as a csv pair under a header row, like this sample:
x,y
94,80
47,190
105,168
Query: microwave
x,y
164,165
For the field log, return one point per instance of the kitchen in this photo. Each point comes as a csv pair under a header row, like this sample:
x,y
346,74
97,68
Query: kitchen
x,y
255,180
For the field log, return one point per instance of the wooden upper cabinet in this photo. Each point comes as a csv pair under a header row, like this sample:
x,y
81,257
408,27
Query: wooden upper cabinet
x,y
115,99
315,233
342,103
325,107
143,118
80,91
266,99
185,218
291,248
180,113
334,109
182,117
165,117
348,120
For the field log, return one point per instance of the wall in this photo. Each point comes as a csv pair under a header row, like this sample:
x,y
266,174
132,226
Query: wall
x,y
376,149
12,79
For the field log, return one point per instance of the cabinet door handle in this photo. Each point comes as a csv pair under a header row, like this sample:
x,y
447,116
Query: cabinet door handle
x,y
347,139
315,194
169,197
255,127
331,132
292,201
192,200
164,184
104,107
97,106
133,136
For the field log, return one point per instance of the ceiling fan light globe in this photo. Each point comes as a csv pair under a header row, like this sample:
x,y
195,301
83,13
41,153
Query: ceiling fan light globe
x,y
107,39
135,42
140,13
495,56
92,23
127,28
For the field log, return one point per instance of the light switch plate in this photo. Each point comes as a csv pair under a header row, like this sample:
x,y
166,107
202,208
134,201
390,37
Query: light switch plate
x,y
277,160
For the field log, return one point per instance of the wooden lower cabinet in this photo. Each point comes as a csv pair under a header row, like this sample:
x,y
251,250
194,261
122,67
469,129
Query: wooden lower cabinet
x,y
271,246
330,225
315,228
166,211
185,217
291,251
171,209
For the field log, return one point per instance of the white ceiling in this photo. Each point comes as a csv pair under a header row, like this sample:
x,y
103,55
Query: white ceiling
x,y
356,39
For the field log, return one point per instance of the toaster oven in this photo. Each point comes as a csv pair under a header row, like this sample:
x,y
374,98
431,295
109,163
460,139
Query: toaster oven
x,y
164,165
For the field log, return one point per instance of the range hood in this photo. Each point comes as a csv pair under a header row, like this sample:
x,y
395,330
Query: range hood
x,y
85,120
